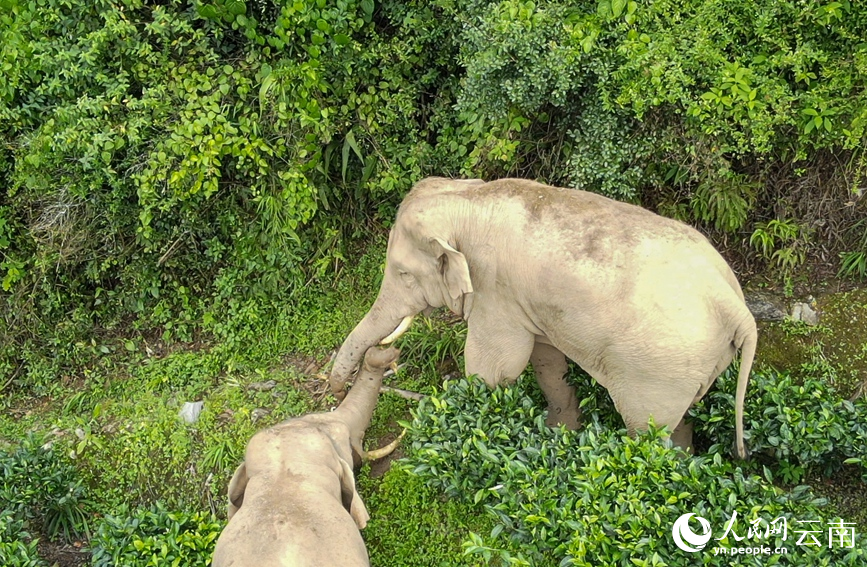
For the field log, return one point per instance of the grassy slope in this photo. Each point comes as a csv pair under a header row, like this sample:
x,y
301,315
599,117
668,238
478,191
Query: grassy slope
x,y
118,419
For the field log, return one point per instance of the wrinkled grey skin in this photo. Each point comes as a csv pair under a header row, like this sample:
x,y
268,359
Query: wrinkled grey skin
x,y
292,502
643,303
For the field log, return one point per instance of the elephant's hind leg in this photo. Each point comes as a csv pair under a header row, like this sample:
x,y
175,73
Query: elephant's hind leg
x,y
667,405
682,435
549,364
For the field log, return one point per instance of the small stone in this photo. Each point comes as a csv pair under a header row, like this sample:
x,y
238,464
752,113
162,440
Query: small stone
x,y
258,414
804,312
763,308
191,410
263,386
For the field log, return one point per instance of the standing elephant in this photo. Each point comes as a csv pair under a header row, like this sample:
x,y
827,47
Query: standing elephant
x,y
292,502
643,303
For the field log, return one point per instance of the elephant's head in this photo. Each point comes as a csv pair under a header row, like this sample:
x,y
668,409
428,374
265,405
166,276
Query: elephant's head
x,y
333,438
424,270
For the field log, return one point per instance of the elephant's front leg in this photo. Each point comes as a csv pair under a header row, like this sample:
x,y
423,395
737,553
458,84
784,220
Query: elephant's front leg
x,y
549,364
496,352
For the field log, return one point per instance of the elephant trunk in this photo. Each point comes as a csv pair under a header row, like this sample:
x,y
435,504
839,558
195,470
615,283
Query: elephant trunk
x,y
357,409
377,325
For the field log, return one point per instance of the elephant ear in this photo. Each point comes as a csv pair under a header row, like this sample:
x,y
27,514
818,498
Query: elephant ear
x,y
455,271
237,487
351,500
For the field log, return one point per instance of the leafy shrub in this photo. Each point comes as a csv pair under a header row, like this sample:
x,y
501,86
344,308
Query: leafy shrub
x,y
595,497
17,549
43,489
176,168
801,425
155,537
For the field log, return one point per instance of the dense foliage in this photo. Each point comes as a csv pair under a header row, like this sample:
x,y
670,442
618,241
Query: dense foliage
x,y
17,548
155,537
169,166
595,497
43,491
801,426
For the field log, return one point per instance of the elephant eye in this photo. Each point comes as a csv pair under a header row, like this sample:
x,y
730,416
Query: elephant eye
x,y
405,276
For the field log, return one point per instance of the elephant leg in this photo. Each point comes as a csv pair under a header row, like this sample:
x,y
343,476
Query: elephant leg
x,y
682,435
549,364
497,354
636,403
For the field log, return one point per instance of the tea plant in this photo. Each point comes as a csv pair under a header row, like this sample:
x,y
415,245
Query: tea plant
x,y
801,425
155,536
591,497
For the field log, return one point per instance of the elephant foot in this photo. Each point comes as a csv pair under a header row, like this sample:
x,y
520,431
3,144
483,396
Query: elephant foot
x,y
570,417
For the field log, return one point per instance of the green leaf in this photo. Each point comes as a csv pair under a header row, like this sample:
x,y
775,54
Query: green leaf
x,y
207,11
617,7
267,83
367,9
235,7
350,139
603,8
345,157
341,39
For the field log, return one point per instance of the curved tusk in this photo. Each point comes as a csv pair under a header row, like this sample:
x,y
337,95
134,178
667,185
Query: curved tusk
x,y
384,451
401,329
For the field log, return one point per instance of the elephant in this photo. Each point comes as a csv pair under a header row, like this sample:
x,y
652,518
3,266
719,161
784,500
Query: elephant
x,y
293,502
644,304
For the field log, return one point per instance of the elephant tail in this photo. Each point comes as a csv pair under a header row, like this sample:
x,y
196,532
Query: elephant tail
x,y
746,338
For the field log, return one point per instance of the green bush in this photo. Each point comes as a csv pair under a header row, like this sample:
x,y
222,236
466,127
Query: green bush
x,y
176,168
594,497
155,537
17,548
796,426
43,489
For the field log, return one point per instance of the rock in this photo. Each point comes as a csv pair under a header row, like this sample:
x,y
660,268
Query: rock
x,y
259,413
763,307
191,410
263,386
805,312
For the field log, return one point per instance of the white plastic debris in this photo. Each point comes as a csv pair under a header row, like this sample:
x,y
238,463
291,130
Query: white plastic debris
x,y
191,410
